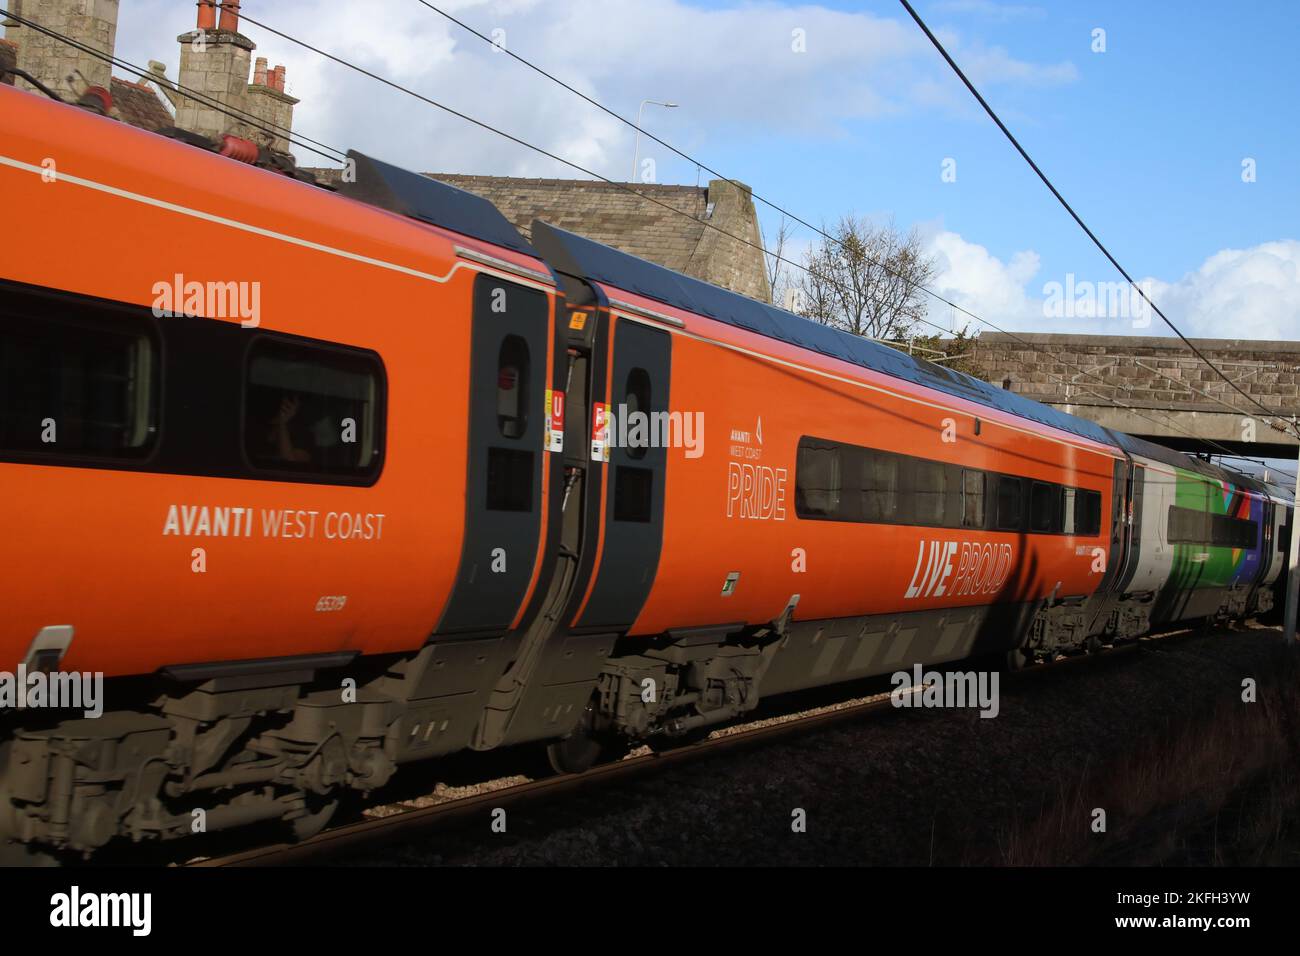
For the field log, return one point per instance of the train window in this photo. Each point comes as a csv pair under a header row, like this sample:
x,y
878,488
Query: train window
x,y
1010,504
1229,532
1045,508
929,491
311,409
972,498
1087,512
879,487
817,480
79,387
512,387
509,479
1188,526
1221,531
638,400
851,483
633,488
1177,526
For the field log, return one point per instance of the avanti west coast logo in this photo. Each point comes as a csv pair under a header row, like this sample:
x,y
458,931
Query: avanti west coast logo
x,y
211,300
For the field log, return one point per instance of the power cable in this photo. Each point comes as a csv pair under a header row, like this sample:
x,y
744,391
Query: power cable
x,y
1070,209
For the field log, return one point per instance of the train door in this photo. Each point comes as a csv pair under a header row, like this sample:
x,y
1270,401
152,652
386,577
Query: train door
x,y
505,497
1123,475
629,431
611,521
1133,527
1268,511
1121,556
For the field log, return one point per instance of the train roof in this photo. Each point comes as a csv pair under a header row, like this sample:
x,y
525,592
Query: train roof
x,y
398,190
1282,492
1149,449
585,259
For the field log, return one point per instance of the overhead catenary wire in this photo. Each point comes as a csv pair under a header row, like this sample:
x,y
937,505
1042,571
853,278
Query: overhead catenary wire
x,y
1070,209
1269,419
256,122
245,117
626,187
1261,461
1169,419
339,158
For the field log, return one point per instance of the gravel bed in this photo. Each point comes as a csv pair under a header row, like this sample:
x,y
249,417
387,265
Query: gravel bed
x,y
904,787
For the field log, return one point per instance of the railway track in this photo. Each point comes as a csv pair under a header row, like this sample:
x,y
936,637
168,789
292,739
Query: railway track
x,y
412,824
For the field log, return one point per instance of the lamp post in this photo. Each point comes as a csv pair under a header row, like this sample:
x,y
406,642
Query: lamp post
x,y
636,156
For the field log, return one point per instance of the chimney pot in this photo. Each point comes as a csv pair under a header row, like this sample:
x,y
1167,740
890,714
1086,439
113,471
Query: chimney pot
x,y
259,72
207,15
279,77
230,15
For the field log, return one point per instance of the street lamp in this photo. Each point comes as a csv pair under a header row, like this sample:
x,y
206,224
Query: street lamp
x,y
636,156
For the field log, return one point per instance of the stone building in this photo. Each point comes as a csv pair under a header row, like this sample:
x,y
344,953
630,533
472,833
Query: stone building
x,y
8,60
214,62
610,214
52,61
614,216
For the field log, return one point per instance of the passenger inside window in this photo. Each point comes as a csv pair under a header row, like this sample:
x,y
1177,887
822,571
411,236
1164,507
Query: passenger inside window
x,y
309,410
281,436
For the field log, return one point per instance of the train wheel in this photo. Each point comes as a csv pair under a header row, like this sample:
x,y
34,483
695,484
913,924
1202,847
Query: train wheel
x,y
1018,660
320,810
581,749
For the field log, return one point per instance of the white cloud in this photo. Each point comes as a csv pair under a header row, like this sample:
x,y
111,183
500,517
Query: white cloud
x,y
1236,293
734,71
977,280
989,66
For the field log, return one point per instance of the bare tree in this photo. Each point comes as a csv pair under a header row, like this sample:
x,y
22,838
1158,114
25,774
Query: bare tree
x,y
775,258
867,279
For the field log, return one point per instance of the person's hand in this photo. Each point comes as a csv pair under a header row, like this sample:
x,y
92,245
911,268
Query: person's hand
x,y
288,408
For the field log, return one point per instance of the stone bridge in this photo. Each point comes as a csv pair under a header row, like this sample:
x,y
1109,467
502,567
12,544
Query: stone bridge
x,y
1172,397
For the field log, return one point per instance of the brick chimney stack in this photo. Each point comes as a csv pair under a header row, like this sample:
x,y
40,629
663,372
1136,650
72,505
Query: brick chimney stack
x,y
91,22
215,62
272,105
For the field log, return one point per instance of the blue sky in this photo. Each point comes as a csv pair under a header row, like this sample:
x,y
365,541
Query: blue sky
x,y
1147,139
1147,142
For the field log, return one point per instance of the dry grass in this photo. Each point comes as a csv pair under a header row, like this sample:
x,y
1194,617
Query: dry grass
x,y
1220,790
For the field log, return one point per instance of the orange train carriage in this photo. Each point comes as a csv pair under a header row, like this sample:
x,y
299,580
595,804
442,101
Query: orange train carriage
x,y
324,483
